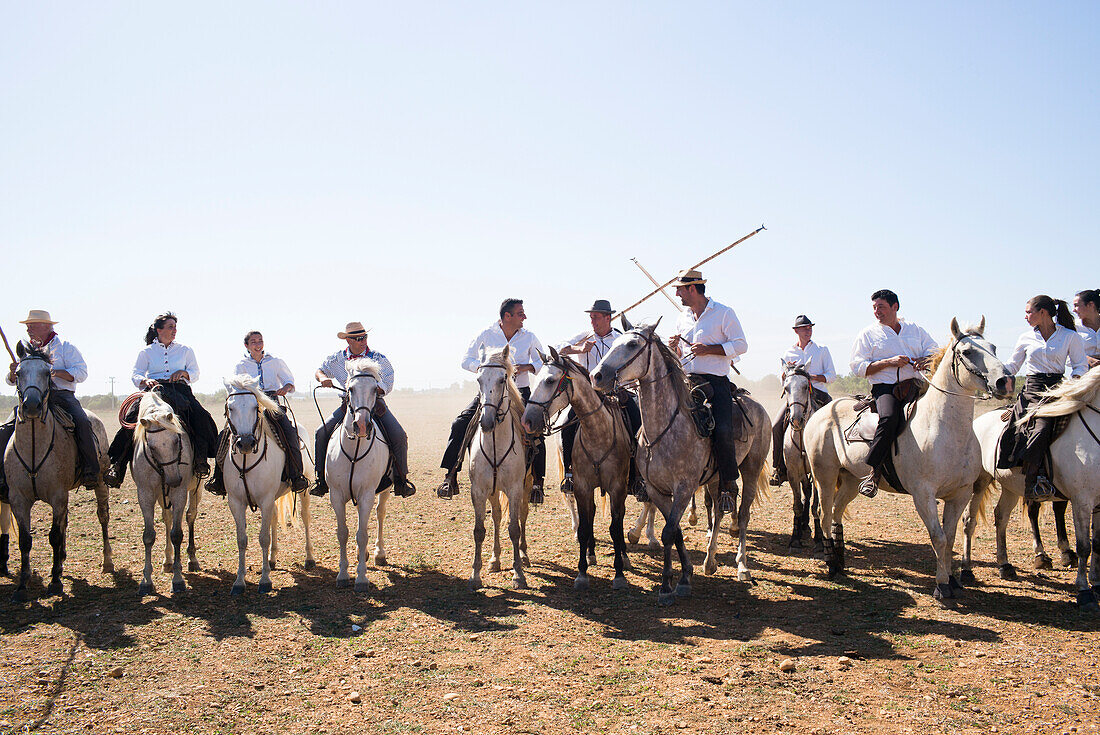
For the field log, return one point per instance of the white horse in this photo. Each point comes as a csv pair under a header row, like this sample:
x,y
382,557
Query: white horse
x,y
1075,456
645,519
937,454
498,466
799,395
162,471
253,476
40,464
357,458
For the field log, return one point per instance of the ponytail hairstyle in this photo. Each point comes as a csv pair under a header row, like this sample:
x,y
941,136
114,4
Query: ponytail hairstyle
x,y
158,323
1090,296
1057,308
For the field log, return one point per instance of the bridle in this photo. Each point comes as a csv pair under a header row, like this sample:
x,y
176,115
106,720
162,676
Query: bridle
x,y
33,468
500,409
957,359
244,468
354,457
159,466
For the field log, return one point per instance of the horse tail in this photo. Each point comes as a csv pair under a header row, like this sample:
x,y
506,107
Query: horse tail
x,y
7,518
284,511
983,497
763,491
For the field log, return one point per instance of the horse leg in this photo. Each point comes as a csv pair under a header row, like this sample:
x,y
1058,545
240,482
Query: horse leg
x,y
103,512
1041,561
524,509
618,515
748,496
634,535
57,540
952,510
1068,557
1001,516
380,516
362,538
237,507
22,512
683,587
815,509
1082,520
494,506
710,565
798,507
192,515
477,496
267,530
178,509
586,508
304,500
826,484
924,500
277,520
342,578
970,524
515,507
650,533
1094,561
571,506
693,517
166,519
148,538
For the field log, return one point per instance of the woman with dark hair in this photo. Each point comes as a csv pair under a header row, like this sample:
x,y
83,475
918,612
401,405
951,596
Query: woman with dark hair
x,y
169,367
1041,355
1086,304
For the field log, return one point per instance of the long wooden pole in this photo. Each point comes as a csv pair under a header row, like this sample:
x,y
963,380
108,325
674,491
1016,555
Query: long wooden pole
x,y
654,282
7,346
702,262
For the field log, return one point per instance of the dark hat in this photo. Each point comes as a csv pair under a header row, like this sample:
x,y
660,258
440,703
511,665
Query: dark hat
x,y
802,321
601,305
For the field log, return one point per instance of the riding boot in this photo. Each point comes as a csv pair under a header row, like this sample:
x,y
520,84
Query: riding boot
x,y
402,486
567,483
727,498
215,484
298,483
537,496
320,487
449,487
1037,487
778,477
115,474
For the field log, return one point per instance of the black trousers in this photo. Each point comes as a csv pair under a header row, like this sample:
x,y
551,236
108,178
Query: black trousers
x,y
889,422
569,433
391,429
85,443
452,460
196,420
293,449
727,426
1027,446
779,429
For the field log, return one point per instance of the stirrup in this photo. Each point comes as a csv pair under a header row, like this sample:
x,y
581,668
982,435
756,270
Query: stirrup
x,y
567,483
299,484
536,494
726,503
1040,490
448,488
407,490
319,489
641,493
869,486
113,476
777,478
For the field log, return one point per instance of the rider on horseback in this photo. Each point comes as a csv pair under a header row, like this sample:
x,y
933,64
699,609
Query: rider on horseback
x,y
889,354
67,368
709,339
334,370
818,363
588,348
275,379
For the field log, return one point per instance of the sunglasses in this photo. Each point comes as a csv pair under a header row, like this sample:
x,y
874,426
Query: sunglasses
x,y
358,339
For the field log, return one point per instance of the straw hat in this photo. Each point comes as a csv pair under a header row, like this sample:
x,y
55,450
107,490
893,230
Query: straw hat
x,y
602,306
38,316
689,278
353,329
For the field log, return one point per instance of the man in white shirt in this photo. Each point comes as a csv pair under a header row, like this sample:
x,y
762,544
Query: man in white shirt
x,y
709,338
275,379
525,355
819,364
588,348
67,368
889,353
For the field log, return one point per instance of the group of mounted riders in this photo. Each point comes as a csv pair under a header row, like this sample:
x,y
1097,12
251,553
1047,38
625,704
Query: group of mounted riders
x,y
708,339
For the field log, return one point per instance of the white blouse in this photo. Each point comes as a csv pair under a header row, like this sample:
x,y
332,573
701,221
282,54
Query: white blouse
x,y
877,342
817,360
1091,338
157,362
1033,354
717,325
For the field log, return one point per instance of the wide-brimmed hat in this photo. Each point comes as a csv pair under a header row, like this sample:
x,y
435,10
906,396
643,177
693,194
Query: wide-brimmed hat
x,y
802,321
603,306
38,316
353,329
689,278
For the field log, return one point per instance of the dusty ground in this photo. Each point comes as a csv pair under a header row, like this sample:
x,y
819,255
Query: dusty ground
x,y
426,655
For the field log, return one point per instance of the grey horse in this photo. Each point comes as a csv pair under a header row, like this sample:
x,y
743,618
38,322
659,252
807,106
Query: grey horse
x,y
672,458
800,405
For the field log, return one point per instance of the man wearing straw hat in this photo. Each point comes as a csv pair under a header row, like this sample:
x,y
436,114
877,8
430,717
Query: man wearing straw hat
x,y
709,338
67,368
588,348
819,364
334,373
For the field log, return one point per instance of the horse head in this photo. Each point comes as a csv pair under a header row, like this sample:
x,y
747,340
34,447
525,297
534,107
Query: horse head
x,y
977,356
493,377
550,394
160,434
798,390
244,406
629,357
363,386
32,381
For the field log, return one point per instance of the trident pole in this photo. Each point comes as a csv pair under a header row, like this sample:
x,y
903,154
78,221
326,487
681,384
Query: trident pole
x,y
701,263
7,346
654,282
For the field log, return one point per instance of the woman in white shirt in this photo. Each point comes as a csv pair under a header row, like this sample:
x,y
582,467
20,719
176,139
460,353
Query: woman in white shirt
x,y
1041,355
1086,304
170,367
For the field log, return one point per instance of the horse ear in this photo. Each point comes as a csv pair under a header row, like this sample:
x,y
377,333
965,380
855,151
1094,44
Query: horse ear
x,y
20,350
981,325
507,349
657,322
145,422
554,354
627,326
955,328
481,354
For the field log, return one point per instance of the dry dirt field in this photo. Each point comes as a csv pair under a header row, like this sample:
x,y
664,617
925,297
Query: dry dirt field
x,y
872,651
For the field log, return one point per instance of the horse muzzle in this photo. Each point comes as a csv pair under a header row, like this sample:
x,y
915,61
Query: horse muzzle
x,y
488,420
603,380
533,421
362,423
32,407
245,444
173,477
1004,387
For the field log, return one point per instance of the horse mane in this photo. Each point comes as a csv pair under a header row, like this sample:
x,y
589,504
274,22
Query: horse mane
x,y
515,399
361,365
1069,397
248,384
937,358
161,414
679,378
39,353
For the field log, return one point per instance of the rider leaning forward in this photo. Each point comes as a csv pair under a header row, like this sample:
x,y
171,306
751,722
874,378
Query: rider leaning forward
x,y
709,338
67,368
333,373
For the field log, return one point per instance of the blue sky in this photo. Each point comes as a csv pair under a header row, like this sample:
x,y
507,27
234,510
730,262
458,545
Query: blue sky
x,y
290,167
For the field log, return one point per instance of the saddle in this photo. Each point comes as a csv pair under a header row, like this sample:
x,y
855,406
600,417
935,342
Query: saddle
x,y
64,418
281,440
702,392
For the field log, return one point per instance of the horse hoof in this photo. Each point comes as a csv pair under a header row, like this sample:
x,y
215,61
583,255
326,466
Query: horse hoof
x,y
108,568
18,597
1042,562
525,560
967,578
620,583
1086,601
55,588
794,543
343,584
193,566
494,566
953,583
627,565
709,568
693,520
264,588
1008,572
362,588
237,590
519,584
943,592
683,590
580,584
633,537
310,564
591,560
664,599
474,584
380,560
179,587
1069,559
655,546
833,571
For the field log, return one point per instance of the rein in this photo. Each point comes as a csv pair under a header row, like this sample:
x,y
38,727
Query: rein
x,y
502,411
244,468
33,469
956,360
159,466
355,457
